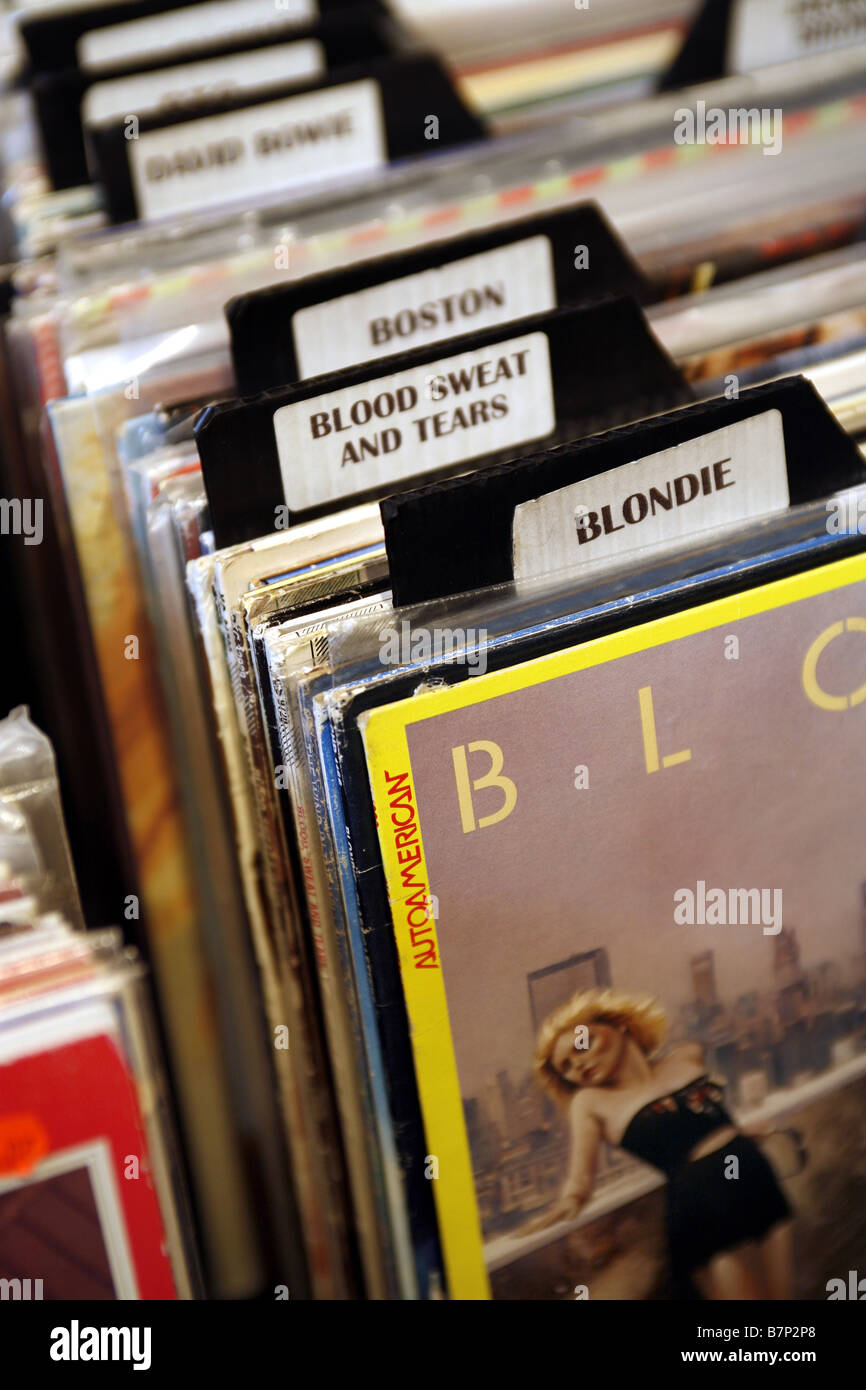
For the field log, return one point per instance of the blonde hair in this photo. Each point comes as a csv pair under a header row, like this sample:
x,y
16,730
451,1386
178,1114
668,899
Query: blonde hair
x,y
642,1017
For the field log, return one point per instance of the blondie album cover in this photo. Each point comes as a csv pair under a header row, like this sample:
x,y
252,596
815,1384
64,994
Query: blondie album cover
x,y
628,885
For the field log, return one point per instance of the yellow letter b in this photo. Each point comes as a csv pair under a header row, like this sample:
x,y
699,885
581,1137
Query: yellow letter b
x,y
491,778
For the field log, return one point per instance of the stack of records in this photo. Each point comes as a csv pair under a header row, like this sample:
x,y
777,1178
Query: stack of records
x,y
89,1198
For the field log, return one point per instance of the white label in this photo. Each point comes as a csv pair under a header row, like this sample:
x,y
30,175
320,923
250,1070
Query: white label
x,y
53,7
730,475
194,25
208,80
764,32
415,422
476,292
274,147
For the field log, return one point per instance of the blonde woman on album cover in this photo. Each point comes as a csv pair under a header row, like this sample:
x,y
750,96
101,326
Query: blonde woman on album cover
x,y
729,1224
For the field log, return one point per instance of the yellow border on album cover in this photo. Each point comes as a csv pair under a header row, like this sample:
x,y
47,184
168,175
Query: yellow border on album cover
x,y
387,753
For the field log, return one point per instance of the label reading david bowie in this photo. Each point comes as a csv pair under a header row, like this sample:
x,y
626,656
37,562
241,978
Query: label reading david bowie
x,y
720,478
510,282
414,422
260,149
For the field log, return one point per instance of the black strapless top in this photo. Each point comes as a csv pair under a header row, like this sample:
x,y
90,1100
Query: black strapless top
x,y
664,1131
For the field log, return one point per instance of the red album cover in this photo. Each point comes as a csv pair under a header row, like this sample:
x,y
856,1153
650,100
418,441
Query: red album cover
x,y
79,1214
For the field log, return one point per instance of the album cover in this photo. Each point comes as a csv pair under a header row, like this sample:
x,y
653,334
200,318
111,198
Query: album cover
x,y
632,950
79,1210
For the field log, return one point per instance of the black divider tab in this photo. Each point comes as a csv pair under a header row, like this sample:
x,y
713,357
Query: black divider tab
x,y
391,99
358,35
481,398
739,36
456,536
51,39
578,258
703,55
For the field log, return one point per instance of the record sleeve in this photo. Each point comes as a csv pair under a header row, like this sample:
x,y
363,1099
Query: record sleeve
x,y
572,873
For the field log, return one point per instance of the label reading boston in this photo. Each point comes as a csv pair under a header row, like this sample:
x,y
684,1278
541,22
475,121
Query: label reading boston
x,y
415,422
510,282
720,478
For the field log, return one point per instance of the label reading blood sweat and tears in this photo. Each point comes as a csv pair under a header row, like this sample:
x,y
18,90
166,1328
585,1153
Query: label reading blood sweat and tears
x,y
510,282
267,148
414,422
208,80
721,478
